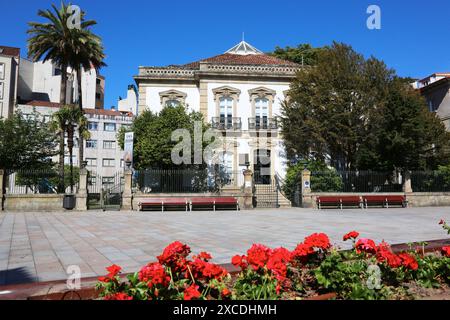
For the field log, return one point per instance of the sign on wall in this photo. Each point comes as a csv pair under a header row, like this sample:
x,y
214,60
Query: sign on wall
x,y
128,147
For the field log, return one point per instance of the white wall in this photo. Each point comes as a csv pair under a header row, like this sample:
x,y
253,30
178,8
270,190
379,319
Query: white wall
x,y
129,104
153,99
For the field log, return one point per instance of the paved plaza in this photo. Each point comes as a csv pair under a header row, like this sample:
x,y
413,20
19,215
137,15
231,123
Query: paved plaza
x,y
39,246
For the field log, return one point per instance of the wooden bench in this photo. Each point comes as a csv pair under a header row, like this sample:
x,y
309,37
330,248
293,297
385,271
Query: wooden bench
x,y
164,204
339,201
214,203
385,201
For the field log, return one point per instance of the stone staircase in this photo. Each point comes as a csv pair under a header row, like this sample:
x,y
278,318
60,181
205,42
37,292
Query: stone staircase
x,y
266,197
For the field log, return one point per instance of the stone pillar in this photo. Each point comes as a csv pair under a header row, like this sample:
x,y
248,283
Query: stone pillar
x,y
81,196
127,192
247,203
407,187
2,192
306,189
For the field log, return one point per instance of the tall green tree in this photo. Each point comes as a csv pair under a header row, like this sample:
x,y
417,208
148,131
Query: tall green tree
x,y
355,113
26,142
407,137
153,136
67,46
331,105
303,54
65,121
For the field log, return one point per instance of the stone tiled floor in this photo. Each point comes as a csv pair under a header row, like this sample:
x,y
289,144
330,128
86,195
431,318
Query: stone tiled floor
x,y
36,246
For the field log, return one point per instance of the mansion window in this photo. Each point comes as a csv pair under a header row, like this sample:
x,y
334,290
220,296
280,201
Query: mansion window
x,y
226,111
1,90
226,99
172,103
107,181
261,99
261,112
172,98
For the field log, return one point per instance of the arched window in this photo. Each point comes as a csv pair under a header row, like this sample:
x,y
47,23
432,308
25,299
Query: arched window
x,y
172,103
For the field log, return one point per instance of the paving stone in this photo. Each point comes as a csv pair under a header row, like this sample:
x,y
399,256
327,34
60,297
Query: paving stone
x,y
95,240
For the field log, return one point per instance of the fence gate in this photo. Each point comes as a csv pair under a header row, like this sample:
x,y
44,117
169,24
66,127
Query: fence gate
x,y
105,192
265,193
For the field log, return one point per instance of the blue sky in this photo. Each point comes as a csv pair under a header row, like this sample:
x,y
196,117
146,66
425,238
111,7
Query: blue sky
x,y
413,38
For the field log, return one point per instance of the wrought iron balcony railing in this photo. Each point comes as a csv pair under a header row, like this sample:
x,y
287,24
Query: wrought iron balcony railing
x,y
230,123
262,123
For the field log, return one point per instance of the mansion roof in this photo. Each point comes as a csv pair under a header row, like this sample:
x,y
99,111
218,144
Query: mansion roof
x,y
241,60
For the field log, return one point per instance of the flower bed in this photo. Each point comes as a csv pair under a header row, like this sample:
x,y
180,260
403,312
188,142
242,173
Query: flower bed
x,y
314,267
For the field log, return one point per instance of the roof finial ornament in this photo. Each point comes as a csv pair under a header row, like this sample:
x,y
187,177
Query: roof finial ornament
x,y
243,36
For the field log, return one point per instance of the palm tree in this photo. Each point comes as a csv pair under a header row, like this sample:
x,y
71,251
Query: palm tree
x,y
77,48
65,121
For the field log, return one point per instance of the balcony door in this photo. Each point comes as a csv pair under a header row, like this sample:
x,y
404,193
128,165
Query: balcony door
x,y
226,112
261,113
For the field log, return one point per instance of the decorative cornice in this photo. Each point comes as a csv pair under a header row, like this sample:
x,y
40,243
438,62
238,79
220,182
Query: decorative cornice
x,y
261,92
226,91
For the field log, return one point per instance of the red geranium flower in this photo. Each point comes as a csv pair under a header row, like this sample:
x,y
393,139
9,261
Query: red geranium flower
x,y
351,235
205,270
366,245
192,293
226,292
203,256
302,251
154,274
278,260
258,255
104,279
446,251
442,221
239,261
174,256
119,296
408,261
113,270
318,241
385,254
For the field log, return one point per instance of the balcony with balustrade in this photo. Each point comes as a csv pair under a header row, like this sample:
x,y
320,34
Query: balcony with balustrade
x,y
226,123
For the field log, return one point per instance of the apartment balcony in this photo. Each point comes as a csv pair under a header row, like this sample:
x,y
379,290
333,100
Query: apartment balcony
x,y
230,123
262,123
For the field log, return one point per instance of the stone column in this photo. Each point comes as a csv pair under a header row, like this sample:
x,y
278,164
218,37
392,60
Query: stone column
x,y
127,196
407,187
306,189
81,196
2,192
247,202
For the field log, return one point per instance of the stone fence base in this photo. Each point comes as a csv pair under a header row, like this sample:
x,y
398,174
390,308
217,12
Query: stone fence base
x,y
415,199
34,202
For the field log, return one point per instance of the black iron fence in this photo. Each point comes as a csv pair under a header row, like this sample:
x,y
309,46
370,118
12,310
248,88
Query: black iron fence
x,y
356,181
430,181
185,180
35,181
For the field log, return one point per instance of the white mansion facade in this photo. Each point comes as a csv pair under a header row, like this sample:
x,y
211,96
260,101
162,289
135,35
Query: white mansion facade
x,y
239,93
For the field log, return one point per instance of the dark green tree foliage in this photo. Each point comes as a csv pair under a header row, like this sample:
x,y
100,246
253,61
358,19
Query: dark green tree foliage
x,y
152,136
356,114
325,179
407,136
303,54
26,143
